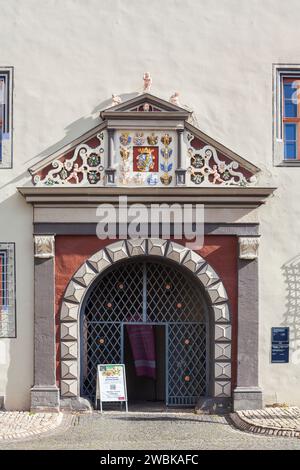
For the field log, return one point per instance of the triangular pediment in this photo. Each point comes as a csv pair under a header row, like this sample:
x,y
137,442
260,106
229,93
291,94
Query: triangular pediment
x,y
144,148
145,103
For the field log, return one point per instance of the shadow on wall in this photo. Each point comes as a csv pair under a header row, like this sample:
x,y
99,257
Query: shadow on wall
x,y
17,181
72,131
291,273
80,126
19,375
18,214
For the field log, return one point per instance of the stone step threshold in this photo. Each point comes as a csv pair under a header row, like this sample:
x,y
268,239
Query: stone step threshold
x,y
277,421
23,424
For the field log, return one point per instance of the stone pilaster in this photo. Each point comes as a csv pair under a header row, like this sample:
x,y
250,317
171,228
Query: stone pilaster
x,y
44,393
110,170
247,394
180,171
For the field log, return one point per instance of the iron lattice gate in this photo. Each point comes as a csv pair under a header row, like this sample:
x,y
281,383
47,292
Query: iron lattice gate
x,y
148,293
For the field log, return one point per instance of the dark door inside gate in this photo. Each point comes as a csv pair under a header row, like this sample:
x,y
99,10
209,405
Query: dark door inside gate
x,y
148,293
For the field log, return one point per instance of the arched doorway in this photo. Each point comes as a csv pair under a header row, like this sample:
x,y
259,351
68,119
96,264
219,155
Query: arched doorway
x,y
151,304
202,277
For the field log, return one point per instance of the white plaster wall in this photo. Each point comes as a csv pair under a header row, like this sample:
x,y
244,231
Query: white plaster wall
x,y
69,56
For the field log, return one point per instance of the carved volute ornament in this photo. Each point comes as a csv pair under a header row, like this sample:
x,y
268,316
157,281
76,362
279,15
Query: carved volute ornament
x,y
248,247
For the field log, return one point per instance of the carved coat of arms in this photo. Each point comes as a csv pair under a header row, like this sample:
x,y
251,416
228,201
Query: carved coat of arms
x,y
145,159
125,138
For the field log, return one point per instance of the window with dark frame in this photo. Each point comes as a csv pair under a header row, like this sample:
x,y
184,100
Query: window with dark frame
x,y
5,117
291,118
2,101
286,114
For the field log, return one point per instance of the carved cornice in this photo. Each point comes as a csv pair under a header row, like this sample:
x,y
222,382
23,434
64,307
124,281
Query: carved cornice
x,y
214,196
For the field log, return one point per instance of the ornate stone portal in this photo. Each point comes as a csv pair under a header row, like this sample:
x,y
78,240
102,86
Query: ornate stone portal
x,y
146,149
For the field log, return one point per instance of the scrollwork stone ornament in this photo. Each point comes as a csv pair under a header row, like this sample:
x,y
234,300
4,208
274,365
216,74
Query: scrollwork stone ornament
x,y
208,169
44,246
85,167
248,247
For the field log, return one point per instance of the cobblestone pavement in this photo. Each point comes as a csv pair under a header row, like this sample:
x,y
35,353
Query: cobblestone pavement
x,y
149,431
21,424
278,421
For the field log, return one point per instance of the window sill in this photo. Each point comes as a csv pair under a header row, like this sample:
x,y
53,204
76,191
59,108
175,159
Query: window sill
x,y
278,156
288,163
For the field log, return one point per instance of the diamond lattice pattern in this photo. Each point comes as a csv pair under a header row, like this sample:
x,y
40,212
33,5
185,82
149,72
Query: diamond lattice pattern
x,y
186,363
171,297
166,296
102,345
118,297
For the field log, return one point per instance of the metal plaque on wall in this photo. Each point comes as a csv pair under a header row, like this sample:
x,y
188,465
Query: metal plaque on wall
x,y
280,345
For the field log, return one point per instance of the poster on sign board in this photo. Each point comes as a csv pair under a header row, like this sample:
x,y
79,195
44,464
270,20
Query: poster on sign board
x,y
111,383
